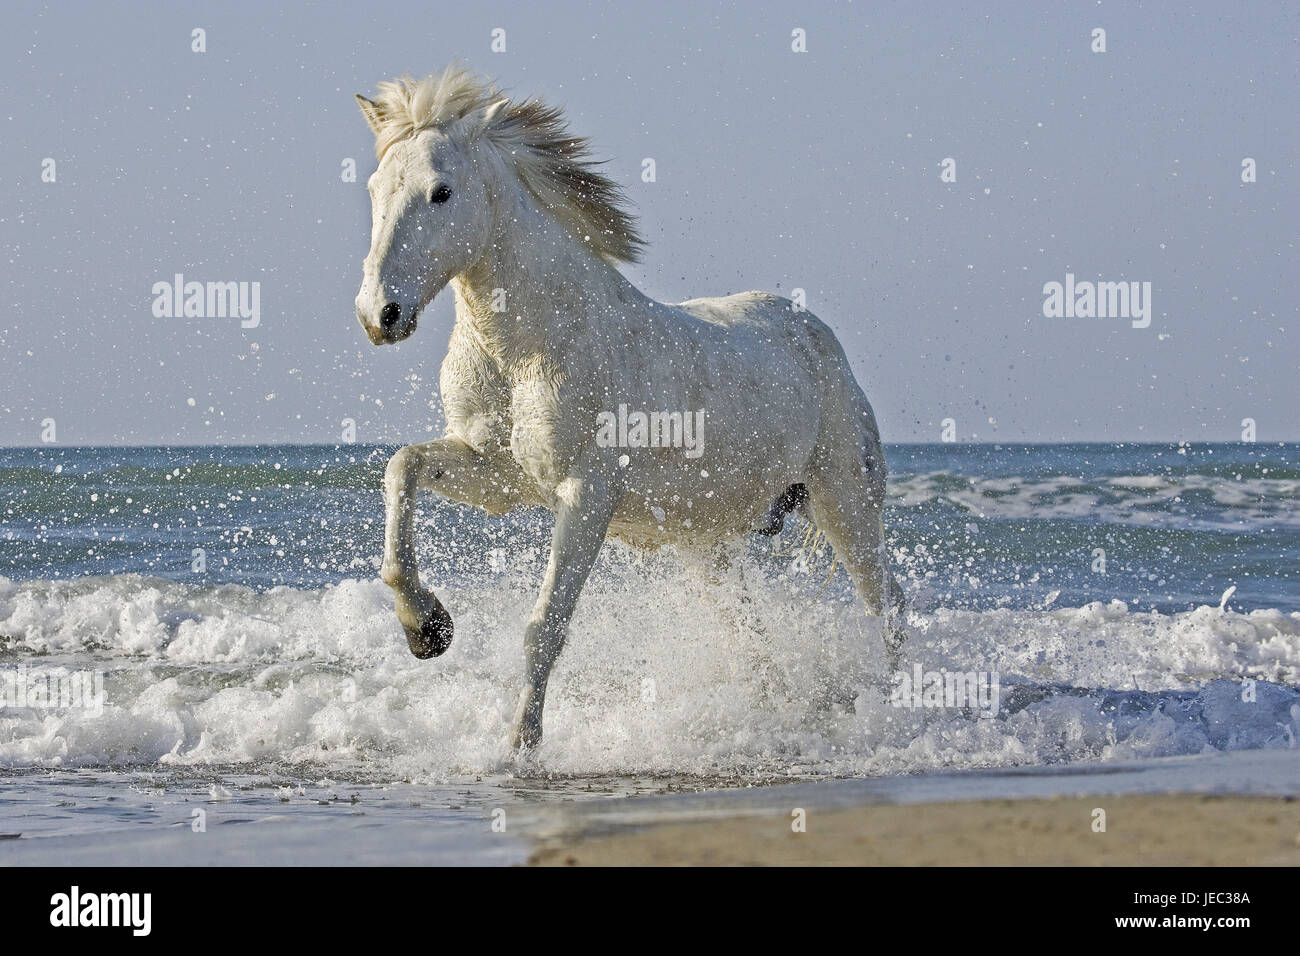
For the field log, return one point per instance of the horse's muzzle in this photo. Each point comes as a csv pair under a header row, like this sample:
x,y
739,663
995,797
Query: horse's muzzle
x,y
393,323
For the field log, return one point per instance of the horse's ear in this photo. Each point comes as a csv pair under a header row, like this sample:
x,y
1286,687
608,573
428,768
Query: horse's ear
x,y
480,120
371,111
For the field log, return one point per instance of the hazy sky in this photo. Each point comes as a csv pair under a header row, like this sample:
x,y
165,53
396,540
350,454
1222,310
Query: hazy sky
x,y
775,170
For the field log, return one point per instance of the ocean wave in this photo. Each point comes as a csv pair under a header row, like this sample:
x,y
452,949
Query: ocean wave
x,y
661,675
1197,502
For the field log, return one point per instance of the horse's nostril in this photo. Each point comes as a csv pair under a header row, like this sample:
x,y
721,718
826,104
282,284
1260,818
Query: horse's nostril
x,y
389,316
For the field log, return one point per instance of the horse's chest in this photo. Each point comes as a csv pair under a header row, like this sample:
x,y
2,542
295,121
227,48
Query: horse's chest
x,y
538,439
476,399
520,413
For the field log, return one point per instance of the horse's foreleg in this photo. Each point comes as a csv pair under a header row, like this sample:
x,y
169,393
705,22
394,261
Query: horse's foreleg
x,y
583,512
453,468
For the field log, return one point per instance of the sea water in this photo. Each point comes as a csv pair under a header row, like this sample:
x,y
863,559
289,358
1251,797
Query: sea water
x,y
1132,602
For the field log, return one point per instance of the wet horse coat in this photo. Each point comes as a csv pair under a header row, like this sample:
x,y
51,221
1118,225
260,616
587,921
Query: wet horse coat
x,y
497,199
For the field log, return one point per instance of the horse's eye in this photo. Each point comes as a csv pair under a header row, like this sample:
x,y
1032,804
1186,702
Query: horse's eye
x,y
440,194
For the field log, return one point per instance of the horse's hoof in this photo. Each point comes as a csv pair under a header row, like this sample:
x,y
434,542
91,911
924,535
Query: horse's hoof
x,y
433,636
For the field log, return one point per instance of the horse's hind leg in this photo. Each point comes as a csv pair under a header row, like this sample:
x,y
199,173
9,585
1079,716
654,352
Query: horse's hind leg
x,y
726,585
846,503
456,470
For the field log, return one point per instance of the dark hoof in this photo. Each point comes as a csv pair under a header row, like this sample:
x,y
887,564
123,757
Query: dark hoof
x,y
433,637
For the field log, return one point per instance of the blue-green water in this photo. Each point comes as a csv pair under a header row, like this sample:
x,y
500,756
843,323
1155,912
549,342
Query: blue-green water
x,y
279,650
973,526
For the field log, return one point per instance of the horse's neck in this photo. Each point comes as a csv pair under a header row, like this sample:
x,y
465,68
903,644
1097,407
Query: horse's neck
x,y
538,292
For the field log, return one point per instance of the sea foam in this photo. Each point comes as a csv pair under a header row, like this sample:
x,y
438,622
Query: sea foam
x,y
662,675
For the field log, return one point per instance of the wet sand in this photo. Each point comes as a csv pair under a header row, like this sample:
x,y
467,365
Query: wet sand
x,y
1140,830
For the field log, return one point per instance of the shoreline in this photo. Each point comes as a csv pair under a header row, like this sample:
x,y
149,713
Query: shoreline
x,y
1235,808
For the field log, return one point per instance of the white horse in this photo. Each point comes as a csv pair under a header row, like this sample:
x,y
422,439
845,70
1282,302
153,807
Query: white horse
x,y
565,386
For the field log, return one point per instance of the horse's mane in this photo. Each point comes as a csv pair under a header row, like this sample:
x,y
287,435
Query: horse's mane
x,y
532,137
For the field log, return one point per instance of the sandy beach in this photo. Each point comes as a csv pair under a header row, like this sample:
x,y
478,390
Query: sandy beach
x,y
1145,830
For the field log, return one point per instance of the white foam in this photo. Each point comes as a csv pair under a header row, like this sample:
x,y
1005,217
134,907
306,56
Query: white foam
x,y
657,678
1134,500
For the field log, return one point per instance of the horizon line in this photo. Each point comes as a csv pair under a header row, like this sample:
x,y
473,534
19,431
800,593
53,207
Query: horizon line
x,y
1175,442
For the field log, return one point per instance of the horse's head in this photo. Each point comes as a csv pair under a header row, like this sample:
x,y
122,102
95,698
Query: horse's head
x,y
456,159
431,214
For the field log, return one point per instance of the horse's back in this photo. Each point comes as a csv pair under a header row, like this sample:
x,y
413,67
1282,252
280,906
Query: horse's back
x,y
775,320
792,333
778,330
744,309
